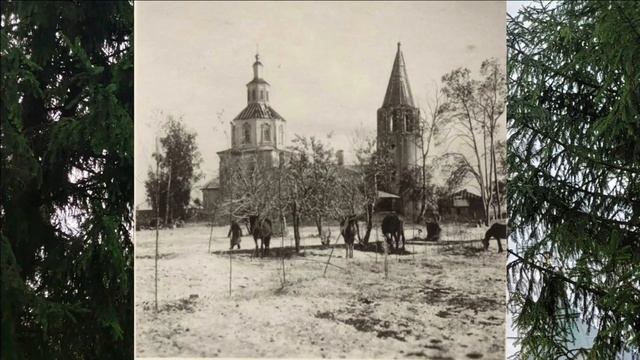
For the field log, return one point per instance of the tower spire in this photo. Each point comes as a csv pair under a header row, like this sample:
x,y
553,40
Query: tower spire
x,y
398,89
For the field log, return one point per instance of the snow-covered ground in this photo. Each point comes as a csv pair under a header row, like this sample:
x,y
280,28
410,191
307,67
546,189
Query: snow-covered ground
x,y
443,301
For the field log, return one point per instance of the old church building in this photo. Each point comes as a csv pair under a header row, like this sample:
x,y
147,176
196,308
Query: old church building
x,y
257,132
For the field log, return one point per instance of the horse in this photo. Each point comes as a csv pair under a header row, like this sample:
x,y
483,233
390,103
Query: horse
x,y
497,231
261,229
393,229
348,230
235,232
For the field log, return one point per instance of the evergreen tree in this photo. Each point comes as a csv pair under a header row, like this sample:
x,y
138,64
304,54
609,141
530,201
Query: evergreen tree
x,y
67,180
574,165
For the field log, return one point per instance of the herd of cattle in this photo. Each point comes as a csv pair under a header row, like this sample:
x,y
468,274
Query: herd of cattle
x,y
392,227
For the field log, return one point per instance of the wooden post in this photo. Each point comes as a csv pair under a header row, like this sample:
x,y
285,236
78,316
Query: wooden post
x,y
230,220
386,261
166,215
327,264
284,275
157,222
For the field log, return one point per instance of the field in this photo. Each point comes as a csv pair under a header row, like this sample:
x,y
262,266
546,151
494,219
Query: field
x,y
444,300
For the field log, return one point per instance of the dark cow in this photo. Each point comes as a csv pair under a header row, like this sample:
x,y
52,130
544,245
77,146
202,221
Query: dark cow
x,y
393,229
497,231
235,232
261,229
433,231
348,230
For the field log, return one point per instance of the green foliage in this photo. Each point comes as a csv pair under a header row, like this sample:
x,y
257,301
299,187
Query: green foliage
x,y
67,180
178,170
574,165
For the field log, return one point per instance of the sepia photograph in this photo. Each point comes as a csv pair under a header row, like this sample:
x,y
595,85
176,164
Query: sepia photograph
x,y
320,180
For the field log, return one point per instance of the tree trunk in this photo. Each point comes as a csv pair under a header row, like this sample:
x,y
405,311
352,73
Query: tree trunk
x,y
319,225
495,171
296,225
369,209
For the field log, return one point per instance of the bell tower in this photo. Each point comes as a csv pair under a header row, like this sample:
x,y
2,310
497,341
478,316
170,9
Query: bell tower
x,y
397,130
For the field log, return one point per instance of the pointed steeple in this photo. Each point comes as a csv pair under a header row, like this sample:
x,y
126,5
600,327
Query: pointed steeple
x,y
398,90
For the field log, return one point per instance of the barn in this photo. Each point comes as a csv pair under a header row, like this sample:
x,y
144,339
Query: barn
x,y
462,206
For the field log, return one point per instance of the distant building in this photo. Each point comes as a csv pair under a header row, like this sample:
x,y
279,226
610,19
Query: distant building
x,y
210,193
145,215
397,133
462,205
257,132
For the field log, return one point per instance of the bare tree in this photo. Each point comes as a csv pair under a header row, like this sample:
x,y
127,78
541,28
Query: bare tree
x,y
251,187
374,166
430,128
312,182
475,107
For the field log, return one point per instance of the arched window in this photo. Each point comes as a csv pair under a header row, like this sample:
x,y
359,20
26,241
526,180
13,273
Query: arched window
x,y
233,135
254,94
261,94
246,132
266,133
267,96
391,125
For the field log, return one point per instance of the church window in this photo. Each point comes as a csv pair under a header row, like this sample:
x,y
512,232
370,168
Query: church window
x,y
266,133
253,92
246,132
233,135
261,94
267,96
391,125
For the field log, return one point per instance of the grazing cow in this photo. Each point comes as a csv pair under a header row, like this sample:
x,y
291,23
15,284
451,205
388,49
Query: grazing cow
x,y
261,229
348,230
393,229
235,232
433,231
497,231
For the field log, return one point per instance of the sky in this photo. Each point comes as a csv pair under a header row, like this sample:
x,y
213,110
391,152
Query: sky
x,y
328,63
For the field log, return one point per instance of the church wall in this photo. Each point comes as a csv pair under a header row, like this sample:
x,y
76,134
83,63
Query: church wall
x,y
277,133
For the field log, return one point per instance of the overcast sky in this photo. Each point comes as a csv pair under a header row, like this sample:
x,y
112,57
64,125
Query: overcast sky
x,y
328,63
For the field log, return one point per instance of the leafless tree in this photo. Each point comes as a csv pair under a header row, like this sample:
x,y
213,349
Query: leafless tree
x,y
475,108
430,129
